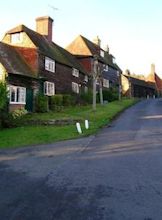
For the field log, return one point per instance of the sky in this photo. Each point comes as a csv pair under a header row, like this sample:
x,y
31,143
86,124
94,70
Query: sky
x,y
131,28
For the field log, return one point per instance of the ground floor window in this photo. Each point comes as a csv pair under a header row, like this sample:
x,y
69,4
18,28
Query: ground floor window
x,y
106,83
75,87
49,88
17,95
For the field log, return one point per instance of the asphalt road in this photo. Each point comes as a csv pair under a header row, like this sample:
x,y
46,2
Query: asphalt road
x,y
116,175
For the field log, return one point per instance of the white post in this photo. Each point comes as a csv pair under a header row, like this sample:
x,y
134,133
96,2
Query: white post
x,y
86,124
78,128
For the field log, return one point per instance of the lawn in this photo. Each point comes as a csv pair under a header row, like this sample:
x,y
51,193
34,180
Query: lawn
x,y
33,135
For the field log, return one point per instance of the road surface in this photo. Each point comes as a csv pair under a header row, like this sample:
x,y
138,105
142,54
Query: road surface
x,y
115,175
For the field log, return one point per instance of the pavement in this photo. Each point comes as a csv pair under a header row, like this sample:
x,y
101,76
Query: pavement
x,y
115,175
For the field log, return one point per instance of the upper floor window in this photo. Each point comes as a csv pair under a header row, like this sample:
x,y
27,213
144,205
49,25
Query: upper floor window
x,y
75,87
49,88
106,83
49,64
101,53
75,72
16,38
106,67
17,95
86,78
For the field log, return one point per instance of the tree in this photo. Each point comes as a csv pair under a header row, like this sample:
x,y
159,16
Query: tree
x,y
3,95
4,116
97,75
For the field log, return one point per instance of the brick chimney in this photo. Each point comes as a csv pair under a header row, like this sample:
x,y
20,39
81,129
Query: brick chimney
x,y
97,41
44,26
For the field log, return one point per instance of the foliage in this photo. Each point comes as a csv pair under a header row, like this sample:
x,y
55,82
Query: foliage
x,y
68,100
3,95
56,102
111,94
41,103
19,113
87,98
5,117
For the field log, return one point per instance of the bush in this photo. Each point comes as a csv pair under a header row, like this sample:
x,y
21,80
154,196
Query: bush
x,y
3,96
68,100
5,117
86,98
56,102
19,113
41,103
111,94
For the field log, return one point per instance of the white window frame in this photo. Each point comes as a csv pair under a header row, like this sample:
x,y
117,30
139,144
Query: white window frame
x,y
86,78
75,72
106,83
75,87
16,38
49,64
114,60
49,88
106,67
19,98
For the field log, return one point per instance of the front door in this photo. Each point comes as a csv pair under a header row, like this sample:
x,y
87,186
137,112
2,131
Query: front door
x,y
29,100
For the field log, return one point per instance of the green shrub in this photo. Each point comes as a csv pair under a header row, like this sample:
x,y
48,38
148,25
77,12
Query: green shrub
x,y
87,98
5,117
68,100
3,95
19,113
111,94
56,102
41,103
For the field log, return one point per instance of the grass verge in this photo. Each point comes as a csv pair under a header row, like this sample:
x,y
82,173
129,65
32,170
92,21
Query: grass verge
x,y
33,135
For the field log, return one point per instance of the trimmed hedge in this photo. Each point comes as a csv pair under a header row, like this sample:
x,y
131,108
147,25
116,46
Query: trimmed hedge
x,y
111,94
41,103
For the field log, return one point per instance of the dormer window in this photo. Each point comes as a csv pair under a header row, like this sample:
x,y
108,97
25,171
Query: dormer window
x,y
49,64
75,72
114,60
101,53
16,38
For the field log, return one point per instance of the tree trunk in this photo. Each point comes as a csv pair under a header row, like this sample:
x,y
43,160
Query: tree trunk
x,y
101,94
94,94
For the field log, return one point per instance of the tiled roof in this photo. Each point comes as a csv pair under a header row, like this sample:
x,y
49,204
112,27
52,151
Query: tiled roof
x,y
153,77
49,49
81,46
13,62
141,82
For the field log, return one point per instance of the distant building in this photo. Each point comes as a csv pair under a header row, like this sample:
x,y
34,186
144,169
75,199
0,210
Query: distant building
x,y
87,51
135,87
154,78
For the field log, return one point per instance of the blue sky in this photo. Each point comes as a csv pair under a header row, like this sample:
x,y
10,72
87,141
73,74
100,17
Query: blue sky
x,y
132,29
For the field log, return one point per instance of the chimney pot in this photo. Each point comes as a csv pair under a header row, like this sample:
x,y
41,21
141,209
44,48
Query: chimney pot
x,y
97,41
